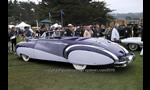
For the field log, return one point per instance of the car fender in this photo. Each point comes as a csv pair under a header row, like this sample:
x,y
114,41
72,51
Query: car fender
x,y
88,54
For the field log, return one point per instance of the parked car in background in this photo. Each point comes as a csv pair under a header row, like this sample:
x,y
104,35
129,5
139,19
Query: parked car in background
x,y
133,43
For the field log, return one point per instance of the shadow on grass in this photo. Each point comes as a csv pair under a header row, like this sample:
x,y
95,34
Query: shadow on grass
x,y
52,63
63,65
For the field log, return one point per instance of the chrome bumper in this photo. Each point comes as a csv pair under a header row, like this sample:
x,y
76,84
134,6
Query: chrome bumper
x,y
127,59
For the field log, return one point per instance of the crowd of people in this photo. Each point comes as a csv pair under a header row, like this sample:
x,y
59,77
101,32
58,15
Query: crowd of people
x,y
110,33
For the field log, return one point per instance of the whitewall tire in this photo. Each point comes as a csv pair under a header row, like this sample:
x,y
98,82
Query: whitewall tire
x,y
79,67
133,46
25,57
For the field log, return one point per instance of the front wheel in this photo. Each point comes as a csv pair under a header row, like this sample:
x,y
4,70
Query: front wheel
x,y
25,57
79,67
133,46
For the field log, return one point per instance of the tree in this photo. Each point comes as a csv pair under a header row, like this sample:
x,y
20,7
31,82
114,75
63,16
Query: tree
x,y
76,11
21,11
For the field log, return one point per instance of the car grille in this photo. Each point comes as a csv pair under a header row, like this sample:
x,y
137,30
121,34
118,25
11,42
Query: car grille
x,y
122,59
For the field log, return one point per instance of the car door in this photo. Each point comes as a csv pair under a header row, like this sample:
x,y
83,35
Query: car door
x,y
47,49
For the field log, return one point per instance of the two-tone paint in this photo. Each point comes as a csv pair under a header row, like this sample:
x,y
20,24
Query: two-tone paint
x,y
76,50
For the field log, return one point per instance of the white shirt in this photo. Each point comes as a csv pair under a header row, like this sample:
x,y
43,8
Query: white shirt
x,y
115,34
87,33
54,33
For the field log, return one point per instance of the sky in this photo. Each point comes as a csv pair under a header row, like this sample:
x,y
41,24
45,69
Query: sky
x,y
121,6
125,6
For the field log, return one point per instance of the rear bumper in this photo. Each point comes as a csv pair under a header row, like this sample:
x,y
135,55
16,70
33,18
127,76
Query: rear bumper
x,y
126,60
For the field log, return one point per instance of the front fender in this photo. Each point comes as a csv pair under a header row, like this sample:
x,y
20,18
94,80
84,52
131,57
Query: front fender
x,y
88,58
81,52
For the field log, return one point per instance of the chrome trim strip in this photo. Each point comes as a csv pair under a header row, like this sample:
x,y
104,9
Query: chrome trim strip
x,y
58,43
123,62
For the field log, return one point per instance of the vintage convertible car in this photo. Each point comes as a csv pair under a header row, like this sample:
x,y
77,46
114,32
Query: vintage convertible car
x,y
79,51
133,43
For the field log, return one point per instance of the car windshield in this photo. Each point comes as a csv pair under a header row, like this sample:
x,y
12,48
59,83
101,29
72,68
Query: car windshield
x,y
52,34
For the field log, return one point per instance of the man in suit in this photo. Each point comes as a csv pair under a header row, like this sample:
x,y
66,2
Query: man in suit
x,y
102,30
127,31
78,31
96,31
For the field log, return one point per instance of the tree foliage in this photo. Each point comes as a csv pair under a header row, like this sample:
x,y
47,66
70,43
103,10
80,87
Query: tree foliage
x,y
77,12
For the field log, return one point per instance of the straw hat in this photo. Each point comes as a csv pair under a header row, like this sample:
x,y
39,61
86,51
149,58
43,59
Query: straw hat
x,y
70,25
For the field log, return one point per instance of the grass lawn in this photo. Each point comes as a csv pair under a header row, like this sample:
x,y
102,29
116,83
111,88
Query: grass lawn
x,y
40,75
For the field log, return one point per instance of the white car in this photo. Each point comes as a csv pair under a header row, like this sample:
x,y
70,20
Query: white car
x,y
133,43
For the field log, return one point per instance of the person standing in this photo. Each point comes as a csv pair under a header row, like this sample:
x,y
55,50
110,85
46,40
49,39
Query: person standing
x,y
44,34
127,31
27,33
58,31
115,34
38,32
69,31
53,30
78,31
9,43
102,30
108,33
96,31
82,31
135,31
13,39
141,53
87,32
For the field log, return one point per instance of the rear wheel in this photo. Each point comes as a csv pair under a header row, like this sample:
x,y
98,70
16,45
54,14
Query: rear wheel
x,y
79,67
25,57
133,46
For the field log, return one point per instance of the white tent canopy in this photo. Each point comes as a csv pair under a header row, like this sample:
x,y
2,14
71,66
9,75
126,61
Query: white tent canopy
x,y
10,26
22,25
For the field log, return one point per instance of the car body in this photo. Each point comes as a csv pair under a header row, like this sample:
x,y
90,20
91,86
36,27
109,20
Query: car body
x,y
79,51
133,43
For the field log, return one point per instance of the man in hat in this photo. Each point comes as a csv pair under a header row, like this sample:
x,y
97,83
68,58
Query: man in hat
x,y
69,31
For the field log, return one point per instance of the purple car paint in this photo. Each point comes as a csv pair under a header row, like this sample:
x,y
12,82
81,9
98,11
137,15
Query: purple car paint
x,y
76,50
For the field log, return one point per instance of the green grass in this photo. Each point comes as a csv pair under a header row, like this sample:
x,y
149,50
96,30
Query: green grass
x,y
37,75
19,39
